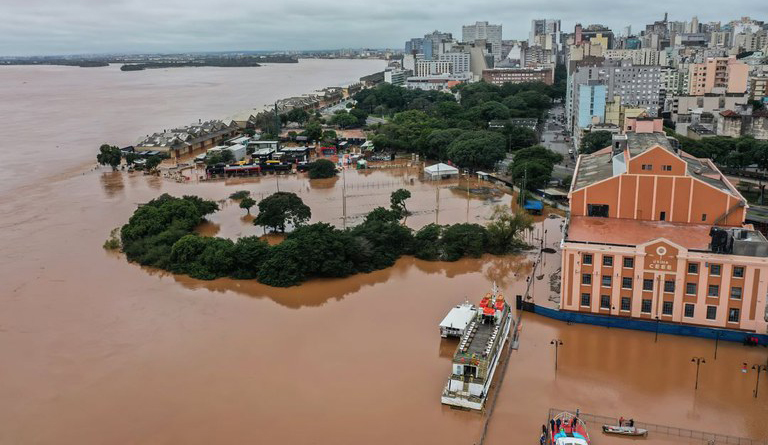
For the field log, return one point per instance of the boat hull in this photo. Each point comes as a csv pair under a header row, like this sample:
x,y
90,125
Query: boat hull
x,y
624,430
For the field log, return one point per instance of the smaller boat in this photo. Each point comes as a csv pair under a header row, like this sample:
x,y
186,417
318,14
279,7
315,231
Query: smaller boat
x,y
625,428
567,429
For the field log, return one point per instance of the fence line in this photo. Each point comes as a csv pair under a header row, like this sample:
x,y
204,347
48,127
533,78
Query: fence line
x,y
711,438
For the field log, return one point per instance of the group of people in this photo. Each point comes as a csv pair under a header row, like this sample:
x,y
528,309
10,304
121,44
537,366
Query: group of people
x,y
555,425
626,422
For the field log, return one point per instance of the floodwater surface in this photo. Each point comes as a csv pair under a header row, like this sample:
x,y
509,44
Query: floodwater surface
x,y
98,350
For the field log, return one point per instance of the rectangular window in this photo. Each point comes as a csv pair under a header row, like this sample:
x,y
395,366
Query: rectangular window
x,y
711,312
586,279
703,217
669,286
688,310
586,258
663,216
605,302
666,168
606,281
666,308
714,270
647,167
629,262
693,268
738,272
626,282
626,303
736,292
608,261
690,288
585,299
713,291
647,284
733,315
645,307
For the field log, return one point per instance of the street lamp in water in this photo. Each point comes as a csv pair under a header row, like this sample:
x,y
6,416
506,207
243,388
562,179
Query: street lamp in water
x,y
557,342
698,361
758,368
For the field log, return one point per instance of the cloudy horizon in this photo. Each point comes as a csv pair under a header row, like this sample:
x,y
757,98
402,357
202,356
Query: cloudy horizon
x,y
48,27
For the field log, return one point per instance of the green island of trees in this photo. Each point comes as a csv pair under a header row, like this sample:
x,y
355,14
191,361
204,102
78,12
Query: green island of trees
x,y
321,168
161,234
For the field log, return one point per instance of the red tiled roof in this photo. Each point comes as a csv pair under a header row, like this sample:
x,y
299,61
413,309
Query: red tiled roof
x,y
729,113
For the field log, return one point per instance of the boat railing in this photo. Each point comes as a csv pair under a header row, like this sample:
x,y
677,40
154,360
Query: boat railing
x,y
671,431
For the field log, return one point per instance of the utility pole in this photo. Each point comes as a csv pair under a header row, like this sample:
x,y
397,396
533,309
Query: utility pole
x,y
698,361
557,342
437,196
717,340
344,196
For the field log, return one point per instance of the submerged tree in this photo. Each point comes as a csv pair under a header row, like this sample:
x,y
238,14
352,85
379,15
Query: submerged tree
x,y
322,168
246,203
397,201
505,228
281,208
109,155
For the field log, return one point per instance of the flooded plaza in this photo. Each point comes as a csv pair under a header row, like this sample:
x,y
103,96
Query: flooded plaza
x,y
99,350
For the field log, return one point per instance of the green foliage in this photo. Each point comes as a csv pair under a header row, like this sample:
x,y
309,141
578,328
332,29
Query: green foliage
x,y
109,155
460,240
731,152
535,165
594,141
246,203
343,119
329,137
477,149
240,194
297,115
160,234
321,168
113,242
397,201
505,229
428,122
150,233
281,208
152,162
313,131
520,137
130,157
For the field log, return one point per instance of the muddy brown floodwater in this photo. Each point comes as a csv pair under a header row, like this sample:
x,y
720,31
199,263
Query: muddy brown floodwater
x,y
97,350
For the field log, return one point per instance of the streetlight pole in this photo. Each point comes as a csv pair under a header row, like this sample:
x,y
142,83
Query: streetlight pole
x,y
656,339
717,340
557,342
757,368
698,361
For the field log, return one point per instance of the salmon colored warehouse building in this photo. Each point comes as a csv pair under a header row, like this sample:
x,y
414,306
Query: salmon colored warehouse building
x,y
655,233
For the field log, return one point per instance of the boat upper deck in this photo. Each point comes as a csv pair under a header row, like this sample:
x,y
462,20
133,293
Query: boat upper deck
x,y
481,337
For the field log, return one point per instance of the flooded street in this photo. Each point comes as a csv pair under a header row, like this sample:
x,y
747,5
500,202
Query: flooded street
x,y
98,350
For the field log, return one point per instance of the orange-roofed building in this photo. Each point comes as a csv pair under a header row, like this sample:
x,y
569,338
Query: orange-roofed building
x,y
656,233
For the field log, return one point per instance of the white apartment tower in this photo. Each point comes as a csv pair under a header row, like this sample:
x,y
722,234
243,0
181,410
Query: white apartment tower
x,y
484,31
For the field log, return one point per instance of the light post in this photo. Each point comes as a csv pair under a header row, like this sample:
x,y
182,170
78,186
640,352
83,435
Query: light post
x,y
557,342
698,361
717,340
757,368
656,339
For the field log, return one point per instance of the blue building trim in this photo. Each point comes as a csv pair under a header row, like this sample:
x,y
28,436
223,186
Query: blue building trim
x,y
645,325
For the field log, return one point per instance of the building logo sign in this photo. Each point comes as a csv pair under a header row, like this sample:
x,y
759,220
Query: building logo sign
x,y
661,257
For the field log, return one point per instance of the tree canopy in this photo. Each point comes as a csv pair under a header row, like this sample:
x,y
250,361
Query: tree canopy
x,y
281,209
534,165
161,234
109,155
321,168
594,141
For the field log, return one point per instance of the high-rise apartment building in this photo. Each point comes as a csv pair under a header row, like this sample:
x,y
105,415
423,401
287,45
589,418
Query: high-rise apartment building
x,y
484,31
718,75
546,33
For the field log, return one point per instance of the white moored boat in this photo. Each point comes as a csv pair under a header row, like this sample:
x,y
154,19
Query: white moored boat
x,y
457,320
625,430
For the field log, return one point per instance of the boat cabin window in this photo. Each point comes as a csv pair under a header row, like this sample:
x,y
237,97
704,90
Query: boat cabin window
x,y
470,371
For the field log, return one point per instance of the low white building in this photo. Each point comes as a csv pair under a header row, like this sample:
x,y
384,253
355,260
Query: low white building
x,y
440,171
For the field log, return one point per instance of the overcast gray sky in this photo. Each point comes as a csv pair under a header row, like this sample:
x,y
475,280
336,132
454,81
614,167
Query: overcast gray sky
x,y
34,27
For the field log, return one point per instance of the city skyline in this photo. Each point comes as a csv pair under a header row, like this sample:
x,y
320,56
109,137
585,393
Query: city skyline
x,y
139,26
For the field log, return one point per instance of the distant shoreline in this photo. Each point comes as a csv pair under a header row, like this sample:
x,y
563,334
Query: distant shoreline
x,y
142,63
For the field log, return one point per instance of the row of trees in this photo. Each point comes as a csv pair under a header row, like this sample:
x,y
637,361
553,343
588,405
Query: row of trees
x,y
112,156
161,234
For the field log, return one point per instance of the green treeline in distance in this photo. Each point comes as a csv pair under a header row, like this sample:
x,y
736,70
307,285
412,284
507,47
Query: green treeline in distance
x,y
161,234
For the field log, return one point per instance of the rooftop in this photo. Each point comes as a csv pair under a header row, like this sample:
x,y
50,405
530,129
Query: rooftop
x,y
631,232
599,165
